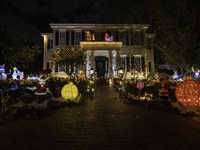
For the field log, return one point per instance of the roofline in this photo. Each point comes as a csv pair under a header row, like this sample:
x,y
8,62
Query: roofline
x,y
56,25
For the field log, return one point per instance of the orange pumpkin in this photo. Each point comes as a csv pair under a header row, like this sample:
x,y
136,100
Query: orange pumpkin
x,y
188,93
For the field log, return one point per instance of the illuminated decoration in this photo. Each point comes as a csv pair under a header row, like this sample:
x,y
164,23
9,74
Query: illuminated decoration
x,y
69,91
42,87
163,83
110,82
140,85
81,74
93,37
90,36
108,38
188,93
2,72
17,74
15,68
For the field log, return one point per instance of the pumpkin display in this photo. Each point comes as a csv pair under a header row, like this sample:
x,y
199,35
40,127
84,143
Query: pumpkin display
x,y
69,91
188,93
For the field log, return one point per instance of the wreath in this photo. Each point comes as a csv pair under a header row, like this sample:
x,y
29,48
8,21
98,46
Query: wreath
x,y
100,65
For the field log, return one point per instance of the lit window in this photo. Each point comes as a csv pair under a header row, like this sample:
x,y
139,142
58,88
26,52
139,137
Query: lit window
x,y
49,44
77,38
62,38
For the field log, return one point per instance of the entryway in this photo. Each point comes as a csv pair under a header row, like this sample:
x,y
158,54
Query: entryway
x,y
101,66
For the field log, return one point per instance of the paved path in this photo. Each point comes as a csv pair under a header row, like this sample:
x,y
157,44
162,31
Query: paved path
x,y
104,123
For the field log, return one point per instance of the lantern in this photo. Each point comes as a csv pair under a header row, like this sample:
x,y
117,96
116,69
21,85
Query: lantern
x,y
69,91
188,93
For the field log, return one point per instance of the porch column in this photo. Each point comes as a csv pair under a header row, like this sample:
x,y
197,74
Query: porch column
x,y
118,58
110,65
92,59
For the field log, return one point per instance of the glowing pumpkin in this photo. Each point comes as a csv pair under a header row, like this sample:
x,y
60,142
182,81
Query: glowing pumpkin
x,y
69,91
188,93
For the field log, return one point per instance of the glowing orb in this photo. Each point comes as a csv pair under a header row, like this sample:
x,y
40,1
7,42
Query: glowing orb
x,y
188,93
140,85
69,91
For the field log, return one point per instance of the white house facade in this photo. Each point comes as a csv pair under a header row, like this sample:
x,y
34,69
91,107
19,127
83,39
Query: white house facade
x,y
109,47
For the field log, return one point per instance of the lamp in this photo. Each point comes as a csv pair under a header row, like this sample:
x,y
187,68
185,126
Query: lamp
x,y
91,71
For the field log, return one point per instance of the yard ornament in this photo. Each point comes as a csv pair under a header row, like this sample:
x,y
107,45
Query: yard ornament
x,y
163,83
42,87
2,72
81,74
69,91
188,93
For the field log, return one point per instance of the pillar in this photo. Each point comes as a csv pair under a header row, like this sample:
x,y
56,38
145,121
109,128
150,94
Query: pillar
x,y
92,59
110,65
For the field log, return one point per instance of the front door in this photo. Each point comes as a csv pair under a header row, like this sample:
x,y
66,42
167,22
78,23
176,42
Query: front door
x,y
101,66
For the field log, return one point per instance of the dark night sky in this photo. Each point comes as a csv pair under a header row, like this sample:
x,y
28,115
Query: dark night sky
x,y
29,18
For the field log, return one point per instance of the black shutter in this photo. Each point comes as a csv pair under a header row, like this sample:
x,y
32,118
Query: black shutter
x,y
127,40
72,38
48,44
67,37
57,38
143,65
83,35
102,36
116,36
132,62
128,64
149,66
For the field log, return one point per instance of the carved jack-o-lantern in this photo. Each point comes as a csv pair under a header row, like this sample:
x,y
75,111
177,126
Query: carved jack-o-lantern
x,y
69,91
188,93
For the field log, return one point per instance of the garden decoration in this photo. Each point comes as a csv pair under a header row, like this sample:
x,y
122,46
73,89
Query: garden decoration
x,y
163,83
17,74
69,91
188,92
41,89
81,74
2,72
140,86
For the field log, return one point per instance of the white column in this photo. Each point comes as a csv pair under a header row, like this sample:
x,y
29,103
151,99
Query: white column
x,y
92,59
118,58
110,65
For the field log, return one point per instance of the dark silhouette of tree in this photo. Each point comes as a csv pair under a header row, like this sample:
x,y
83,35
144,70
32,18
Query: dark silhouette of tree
x,y
15,51
175,24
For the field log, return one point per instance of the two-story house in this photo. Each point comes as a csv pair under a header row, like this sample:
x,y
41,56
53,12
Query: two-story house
x,y
109,47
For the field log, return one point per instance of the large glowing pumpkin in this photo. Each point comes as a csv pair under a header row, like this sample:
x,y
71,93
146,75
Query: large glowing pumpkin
x,y
188,93
69,91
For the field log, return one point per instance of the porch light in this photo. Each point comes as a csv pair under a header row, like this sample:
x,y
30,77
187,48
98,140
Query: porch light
x,y
91,71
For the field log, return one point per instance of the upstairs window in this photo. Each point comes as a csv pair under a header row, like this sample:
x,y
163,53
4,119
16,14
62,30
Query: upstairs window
x,y
137,38
77,38
49,44
62,38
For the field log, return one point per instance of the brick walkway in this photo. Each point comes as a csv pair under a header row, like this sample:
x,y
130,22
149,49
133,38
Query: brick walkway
x,y
104,123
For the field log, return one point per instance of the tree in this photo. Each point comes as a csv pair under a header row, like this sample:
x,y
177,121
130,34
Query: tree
x,y
175,24
69,56
15,51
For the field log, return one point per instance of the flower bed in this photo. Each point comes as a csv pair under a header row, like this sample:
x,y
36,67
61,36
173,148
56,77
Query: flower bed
x,y
148,96
11,96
